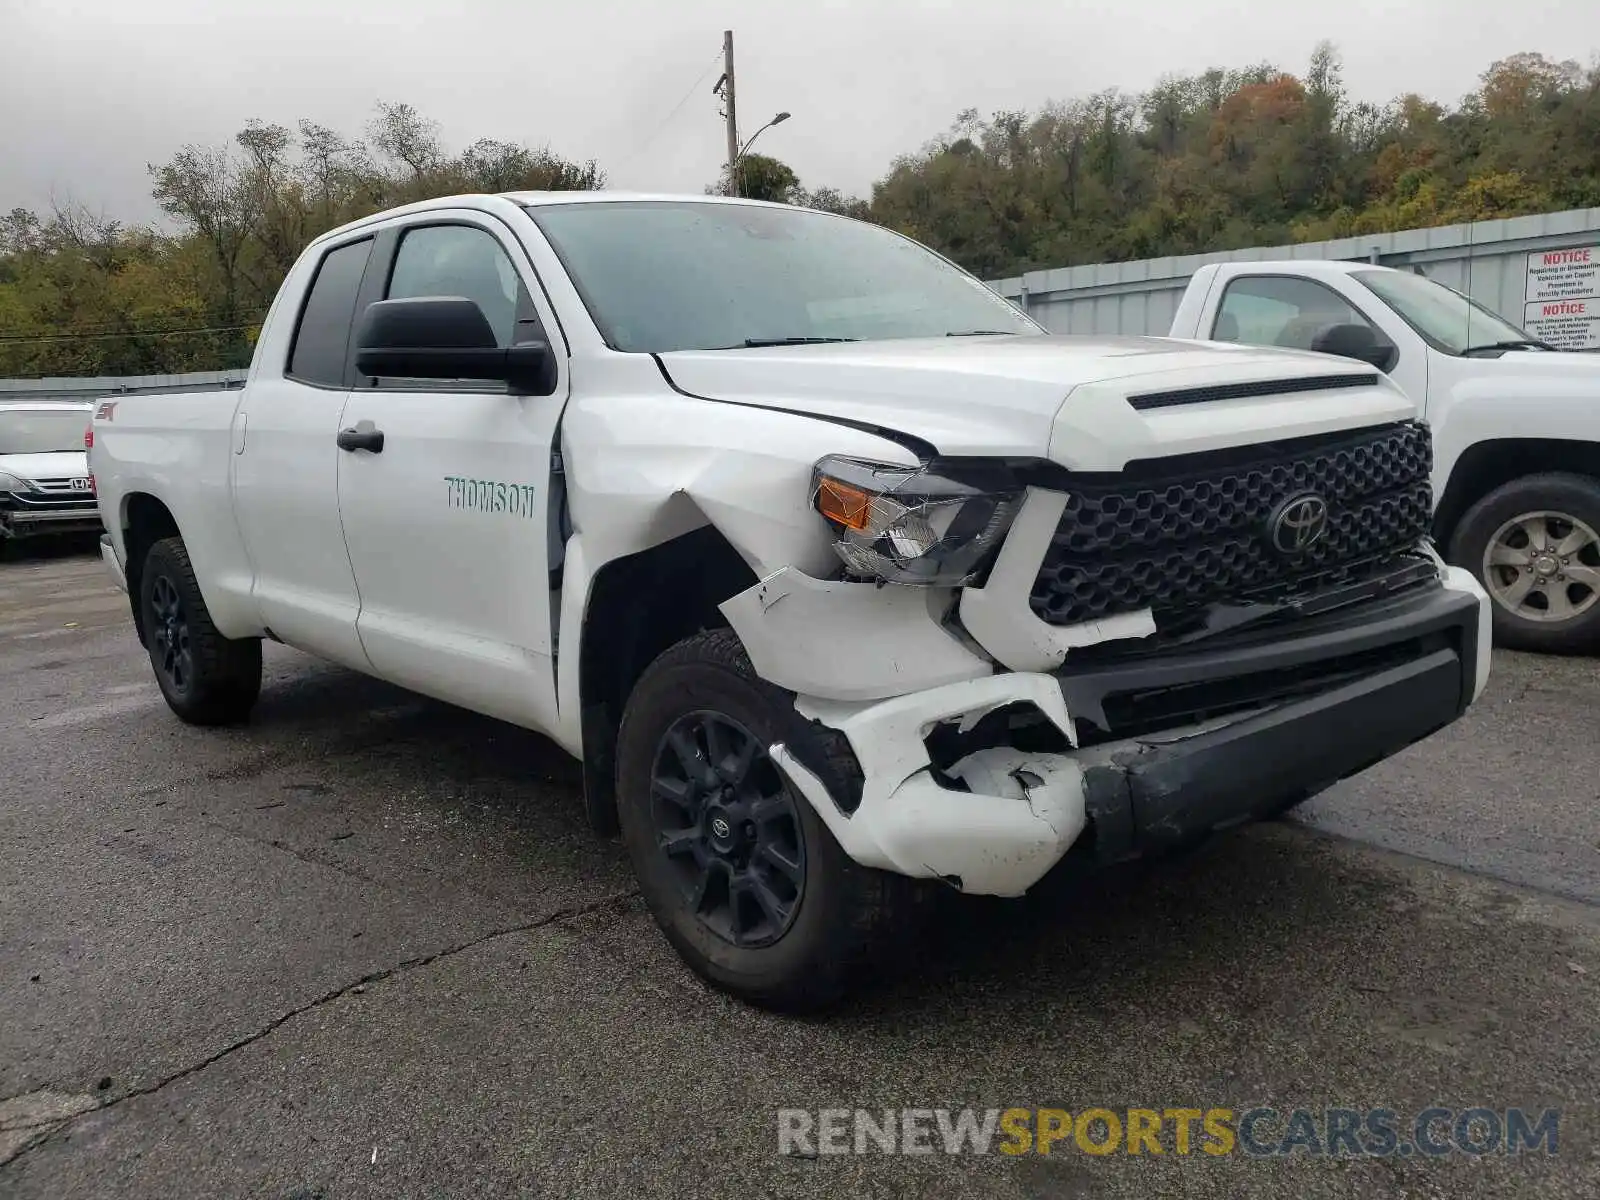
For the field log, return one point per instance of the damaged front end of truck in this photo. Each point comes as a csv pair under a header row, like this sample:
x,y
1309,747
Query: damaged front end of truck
x,y
1027,661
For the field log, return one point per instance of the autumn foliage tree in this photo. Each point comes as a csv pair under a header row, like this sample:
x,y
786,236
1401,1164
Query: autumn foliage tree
x,y
1254,156
1217,160
83,295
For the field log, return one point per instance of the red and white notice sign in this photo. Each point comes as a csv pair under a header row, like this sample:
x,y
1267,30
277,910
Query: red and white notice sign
x,y
1563,297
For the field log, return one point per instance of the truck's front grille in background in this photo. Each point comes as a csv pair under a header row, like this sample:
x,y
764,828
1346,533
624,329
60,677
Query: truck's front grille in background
x,y
1175,534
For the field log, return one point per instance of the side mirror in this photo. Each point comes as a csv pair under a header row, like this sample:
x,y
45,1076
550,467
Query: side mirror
x,y
1360,342
447,337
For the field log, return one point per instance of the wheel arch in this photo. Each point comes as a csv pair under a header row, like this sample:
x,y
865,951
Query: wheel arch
x,y
639,605
145,521
1485,466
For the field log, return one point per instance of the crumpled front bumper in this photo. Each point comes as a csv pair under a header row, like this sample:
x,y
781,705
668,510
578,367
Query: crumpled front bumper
x,y
1022,814
1022,811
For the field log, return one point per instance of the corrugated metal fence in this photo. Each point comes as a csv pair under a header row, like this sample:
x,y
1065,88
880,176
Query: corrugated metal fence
x,y
1487,260
92,387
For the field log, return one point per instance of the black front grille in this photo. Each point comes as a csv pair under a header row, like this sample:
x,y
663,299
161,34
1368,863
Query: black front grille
x,y
1177,534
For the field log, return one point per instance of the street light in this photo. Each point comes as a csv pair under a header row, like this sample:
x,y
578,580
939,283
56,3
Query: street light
x,y
738,163
777,120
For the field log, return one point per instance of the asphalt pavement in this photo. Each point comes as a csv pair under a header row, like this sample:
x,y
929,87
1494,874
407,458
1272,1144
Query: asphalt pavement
x,y
366,946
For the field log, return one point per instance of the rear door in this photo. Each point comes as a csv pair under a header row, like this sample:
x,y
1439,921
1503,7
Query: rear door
x,y
285,474
448,523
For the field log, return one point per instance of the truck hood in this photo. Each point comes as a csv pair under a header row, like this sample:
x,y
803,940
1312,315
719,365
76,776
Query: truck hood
x,y
1053,396
59,464
1559,364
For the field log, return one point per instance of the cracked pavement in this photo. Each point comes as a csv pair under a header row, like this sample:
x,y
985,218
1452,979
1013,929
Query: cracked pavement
x,y
366,946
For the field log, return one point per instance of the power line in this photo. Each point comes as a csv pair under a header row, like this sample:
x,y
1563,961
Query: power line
x,y
250,316
12,339
676,109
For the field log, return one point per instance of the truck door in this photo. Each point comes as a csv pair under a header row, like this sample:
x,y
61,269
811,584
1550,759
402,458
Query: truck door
x,y
285,463
447,517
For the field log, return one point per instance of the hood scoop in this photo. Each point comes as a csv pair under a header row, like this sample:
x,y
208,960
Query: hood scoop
x,y
1145,401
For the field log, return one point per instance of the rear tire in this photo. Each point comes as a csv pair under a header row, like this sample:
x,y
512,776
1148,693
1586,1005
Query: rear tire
x,y
1534,544
207,679
702,703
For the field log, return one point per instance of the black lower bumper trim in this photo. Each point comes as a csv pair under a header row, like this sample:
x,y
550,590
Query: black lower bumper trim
x,y
1264,666
1164,789
32,529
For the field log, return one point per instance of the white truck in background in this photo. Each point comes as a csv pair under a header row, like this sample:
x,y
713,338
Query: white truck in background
x,y
1516,425
840,576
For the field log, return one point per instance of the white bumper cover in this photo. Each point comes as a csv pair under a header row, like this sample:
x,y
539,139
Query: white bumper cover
x,y
1024,810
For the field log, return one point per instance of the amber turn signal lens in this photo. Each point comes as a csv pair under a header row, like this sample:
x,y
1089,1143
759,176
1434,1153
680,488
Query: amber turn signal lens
x,y
846,505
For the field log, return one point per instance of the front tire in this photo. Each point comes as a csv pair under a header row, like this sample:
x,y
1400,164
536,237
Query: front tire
x,y
207,679
1534,544
736,867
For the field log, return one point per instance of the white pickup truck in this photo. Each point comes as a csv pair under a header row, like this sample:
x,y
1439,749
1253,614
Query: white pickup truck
x,y
1516,425
840,575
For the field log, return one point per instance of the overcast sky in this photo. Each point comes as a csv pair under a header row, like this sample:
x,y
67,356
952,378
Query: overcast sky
x,y
92,90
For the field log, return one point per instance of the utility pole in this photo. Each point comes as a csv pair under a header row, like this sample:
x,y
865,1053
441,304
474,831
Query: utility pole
x,y
733,120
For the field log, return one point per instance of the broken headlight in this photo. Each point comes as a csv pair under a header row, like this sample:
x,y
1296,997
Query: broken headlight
x,y
930,525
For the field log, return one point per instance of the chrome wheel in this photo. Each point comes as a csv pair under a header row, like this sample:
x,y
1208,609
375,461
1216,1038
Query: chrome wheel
x,y
1544,566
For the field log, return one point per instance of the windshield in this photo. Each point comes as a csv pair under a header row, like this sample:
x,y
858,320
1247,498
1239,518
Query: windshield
x,y
1447,319
674,275
40,430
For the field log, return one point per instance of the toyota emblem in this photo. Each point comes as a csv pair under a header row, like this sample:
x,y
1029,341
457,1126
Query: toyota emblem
x,y
1298,523
720,827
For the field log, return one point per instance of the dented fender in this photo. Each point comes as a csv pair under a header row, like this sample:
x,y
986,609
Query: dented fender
x,y
849,641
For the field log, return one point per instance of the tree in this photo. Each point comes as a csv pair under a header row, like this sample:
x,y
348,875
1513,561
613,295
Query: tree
x,y
827,199
762,177
1224,158
206,190
403,135
80,292
492,166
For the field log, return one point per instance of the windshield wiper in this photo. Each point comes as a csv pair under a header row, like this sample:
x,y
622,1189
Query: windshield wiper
x,y
796,341
1514,344
982,333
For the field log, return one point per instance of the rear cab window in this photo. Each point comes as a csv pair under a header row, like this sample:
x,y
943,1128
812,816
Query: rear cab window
x,y
321,344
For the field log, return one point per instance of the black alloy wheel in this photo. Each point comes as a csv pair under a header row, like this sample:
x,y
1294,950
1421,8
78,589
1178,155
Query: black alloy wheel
x,y
729,829
206,678
169,634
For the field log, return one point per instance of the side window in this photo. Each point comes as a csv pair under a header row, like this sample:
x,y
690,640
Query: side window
x,y
462,260
322,338
1281,310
